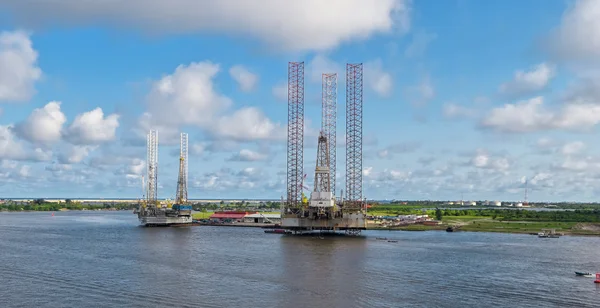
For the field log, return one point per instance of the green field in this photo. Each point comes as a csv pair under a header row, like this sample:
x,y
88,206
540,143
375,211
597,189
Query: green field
x,y
487,224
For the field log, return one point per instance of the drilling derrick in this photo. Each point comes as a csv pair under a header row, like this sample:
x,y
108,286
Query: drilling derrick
x,y
295,138
181,198
354,101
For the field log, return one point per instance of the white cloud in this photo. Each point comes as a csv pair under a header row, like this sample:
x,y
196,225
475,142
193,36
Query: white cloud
x,y
76,154
419,43
18,67
246,79
92,127
10,148
578,36
484,160
526,82
186,97
530,116
315,24
248,124
247,156
377,78
43,125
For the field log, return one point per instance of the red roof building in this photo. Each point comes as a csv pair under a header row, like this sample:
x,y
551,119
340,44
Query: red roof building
x,y
230,215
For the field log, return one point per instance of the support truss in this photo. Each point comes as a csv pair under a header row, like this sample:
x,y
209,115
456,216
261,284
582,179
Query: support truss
x,y
295,138
354,102
329,124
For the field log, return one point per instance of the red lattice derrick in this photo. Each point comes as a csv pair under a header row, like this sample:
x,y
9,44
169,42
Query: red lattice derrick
x,y
354,104
295,138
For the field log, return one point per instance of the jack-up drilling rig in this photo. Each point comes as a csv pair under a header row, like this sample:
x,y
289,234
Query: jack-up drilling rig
x,y
321,212
150,211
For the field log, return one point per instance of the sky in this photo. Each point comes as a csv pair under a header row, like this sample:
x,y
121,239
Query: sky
x,y
462,98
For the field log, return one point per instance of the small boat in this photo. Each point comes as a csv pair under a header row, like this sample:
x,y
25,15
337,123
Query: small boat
x,y
381,238
392,241
542,234
585,274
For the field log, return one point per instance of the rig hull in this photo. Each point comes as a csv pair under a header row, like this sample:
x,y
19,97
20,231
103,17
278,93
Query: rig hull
x,y
151,221
348,222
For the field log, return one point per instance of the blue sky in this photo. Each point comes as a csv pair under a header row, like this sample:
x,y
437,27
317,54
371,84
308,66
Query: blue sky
x,y
462,97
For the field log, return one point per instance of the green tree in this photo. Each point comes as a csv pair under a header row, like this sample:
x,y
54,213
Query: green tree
x,y
438,214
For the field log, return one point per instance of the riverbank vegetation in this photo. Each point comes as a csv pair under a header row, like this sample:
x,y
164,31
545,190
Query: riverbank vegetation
x,y
43,205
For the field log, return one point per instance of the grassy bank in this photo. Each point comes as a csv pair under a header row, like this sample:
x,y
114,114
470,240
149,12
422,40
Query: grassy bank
x,y
487,224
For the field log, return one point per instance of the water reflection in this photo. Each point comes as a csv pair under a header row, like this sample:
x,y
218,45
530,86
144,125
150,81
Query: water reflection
x,y
322,272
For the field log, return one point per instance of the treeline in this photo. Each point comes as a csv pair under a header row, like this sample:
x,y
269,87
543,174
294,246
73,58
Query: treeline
x,y
40,205
527,215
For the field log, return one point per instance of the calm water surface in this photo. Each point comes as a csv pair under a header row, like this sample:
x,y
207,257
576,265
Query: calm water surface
x,y
103,259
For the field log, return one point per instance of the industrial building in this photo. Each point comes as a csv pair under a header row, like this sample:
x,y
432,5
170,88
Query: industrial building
x,y
263,218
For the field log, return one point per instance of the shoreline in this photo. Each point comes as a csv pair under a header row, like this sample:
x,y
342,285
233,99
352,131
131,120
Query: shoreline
x,y
439,229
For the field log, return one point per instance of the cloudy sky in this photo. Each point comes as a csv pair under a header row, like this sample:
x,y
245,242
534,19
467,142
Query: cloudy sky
x,y
462,97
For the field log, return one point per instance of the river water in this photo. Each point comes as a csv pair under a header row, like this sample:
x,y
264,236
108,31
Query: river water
x,y
103,259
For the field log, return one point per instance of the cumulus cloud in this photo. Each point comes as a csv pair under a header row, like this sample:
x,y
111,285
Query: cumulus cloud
x,y
484,160
526,82
18,66
76,154
9,146
93,127
44,125
247,156
315,25
245,79
530,116
188,97
577,38
248,124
